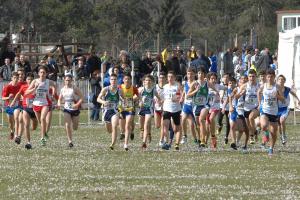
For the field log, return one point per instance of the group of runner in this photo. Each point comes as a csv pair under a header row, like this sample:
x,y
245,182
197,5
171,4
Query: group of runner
x,y
29,102
250,107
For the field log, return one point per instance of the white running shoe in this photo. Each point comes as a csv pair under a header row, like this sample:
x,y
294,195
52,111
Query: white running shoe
x,y
183,140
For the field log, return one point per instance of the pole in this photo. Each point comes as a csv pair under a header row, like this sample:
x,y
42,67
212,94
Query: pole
x,y
89,97
158,43
132,72
205,47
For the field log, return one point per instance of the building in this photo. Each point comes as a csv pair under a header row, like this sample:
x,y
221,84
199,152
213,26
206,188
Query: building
x,y
287,19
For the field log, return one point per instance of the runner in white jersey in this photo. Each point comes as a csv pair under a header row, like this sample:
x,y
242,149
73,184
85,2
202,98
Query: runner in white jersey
x,y
157,106
72,97
40,87
249,90
214,107
171,109
283,106
187,109
269,94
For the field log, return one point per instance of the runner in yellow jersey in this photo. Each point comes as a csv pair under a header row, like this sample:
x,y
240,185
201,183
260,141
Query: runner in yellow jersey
x,y
127,109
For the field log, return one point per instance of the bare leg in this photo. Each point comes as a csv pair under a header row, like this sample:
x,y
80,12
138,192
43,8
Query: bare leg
x,y
114,125
26,119
68,126
128,127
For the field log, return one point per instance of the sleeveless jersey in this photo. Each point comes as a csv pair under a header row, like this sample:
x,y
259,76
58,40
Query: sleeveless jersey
x,y
187,100
127,103
69,97
160,93
147,97
239,104
171,92
269,100
201,97
112,98
214,97
251,100
287,100
42,93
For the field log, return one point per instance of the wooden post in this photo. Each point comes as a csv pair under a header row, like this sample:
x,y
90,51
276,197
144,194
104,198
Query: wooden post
x,y
132,72
191,40
205,47
158,44
236,41
251,37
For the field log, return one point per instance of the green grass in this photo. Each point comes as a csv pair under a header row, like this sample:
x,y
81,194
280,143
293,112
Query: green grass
x,y
91,171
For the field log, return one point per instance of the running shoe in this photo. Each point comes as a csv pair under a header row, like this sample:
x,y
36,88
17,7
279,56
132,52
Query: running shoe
x,y
144,145
202,145
28,146
252,141
196,141
283,139
149,137
233,146
126,147
213,143
226,141
46,136
43,142
122,136
183,140
161,143
177,147
265,137
244,149
71,145
132,136
11,136
111,147
18,140
270,152
166,146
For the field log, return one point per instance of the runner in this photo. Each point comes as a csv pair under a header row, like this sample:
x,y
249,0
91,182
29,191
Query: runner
x,y
8,94
40,87
269,94
147,94
283,106
127,108
109,97
72,97
27,113
187,110
172,110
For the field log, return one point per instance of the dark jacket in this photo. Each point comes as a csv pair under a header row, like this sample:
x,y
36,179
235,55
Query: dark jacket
x,y
228,64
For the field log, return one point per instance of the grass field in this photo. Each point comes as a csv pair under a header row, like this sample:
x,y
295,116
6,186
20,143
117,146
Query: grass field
x,y
91,171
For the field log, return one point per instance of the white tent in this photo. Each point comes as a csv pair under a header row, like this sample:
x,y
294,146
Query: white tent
x,y
289,58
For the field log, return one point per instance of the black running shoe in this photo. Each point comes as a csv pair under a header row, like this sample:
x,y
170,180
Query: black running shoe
x,y
18,140
226,140
233,146
111,147
177,147
132,136
28,146
122,136
71,145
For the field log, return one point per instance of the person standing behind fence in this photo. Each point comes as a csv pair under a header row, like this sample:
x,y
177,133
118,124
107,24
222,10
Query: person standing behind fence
x,y
52,69
24,64
202,60
228,63
6,70
95,88
69,94
81,70
93,63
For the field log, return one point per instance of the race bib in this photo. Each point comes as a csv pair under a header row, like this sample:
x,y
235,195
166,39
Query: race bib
x,y
200,100
128,103
40,94
110,106
69,105
147,101
29,103
270,102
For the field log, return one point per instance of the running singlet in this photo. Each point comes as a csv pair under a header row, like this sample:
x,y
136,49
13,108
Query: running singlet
x,y
239,104
10,89
127,103
214,97
112,98
201,97
171,93
27,99
159,90
69,97
187,100
287,100
251,100
269,100
147,97
42,93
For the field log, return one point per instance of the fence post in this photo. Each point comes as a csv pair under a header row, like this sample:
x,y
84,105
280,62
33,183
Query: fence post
x,y
88,102
158,44
205,47
132,72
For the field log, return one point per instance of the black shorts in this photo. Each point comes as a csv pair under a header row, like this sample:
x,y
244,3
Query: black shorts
x,y
272,118
247,113
30,112
73,113
175,116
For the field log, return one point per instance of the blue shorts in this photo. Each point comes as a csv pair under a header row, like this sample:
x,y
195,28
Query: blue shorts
x,y
108,114
233,116
126,113
197,110
73,113
146,111
187,109
283,112
10,110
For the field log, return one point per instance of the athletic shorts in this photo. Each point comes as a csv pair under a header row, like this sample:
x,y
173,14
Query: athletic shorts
x,y
197,110
108,114
38,108
272,118
247,113
30,112
187,109
210,112
73,113
233,116
283,112
126,113
10,110
175,116
146,111
159,112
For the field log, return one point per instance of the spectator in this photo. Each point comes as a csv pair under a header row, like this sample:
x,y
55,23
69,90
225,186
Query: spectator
x,y
172,64
147,66
182,62
163,69
52,69
228,63
80,70
255,57
96,88
93,63
213,61
114,70
105,57
192,54
6,70
264,61
7,53
24,64
201,60
16,63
